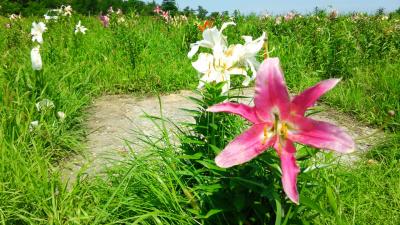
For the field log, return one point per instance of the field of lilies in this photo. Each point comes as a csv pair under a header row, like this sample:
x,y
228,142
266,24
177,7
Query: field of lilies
x,y
237,163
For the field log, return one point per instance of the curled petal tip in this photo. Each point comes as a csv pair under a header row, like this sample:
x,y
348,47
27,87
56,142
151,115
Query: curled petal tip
x,y
220,162
210,109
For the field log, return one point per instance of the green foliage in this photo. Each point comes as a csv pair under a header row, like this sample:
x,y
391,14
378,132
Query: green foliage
x,y
147,56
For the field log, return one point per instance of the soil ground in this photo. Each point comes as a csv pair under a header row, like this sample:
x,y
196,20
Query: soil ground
x,y
118,121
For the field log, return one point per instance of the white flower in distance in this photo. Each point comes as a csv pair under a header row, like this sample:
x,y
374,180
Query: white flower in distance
x,y
44,105
217,68
80,28
47,17
33,125
37,30
212,38
61,115
36,58
14,17
67,10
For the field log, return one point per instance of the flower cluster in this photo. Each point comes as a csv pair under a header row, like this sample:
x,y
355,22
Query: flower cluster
x,y
289,16
44,106
54,14
225,60
164,14
105,19
177,20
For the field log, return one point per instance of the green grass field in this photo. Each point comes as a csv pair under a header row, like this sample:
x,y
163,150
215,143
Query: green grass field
x,y
147,56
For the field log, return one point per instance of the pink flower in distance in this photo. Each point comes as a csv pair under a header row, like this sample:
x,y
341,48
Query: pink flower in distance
x,y
165,15
157,9
278,122
105,20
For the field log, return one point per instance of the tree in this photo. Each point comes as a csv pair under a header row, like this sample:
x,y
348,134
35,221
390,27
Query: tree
x,y
187,11
201,12
170,6
214,15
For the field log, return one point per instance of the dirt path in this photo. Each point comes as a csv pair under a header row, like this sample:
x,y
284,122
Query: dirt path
x,y
115,118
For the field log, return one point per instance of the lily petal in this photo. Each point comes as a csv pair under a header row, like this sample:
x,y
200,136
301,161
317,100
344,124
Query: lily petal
x,y
204,63
289,169
271,91
321,134
307,98
225,25
244,148
242,110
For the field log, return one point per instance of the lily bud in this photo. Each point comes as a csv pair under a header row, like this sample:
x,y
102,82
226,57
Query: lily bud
x,y
36,59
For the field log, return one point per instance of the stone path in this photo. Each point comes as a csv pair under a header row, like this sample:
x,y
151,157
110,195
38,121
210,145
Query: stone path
x,y
116,119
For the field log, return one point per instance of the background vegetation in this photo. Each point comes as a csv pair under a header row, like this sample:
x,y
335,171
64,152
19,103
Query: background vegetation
x,y
146,55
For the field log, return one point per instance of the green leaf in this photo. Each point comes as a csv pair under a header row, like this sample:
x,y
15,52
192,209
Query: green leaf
x,y
239,201
278,219
211,213
210,165
215,149
195,156
210,188
311,204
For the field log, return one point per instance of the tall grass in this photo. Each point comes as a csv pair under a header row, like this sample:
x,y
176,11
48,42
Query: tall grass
x,y
147,56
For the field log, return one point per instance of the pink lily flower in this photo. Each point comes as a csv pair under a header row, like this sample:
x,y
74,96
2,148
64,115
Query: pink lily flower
x,y
157,9
105,20
278,122
165,15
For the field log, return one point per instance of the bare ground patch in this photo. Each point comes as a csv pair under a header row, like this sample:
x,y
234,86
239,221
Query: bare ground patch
x,y
117,118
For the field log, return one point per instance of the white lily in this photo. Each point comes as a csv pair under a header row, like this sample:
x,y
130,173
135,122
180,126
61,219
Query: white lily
x,y
33,125
37,30
67,10
47,17
247,54
44,105
36,58
212,38
218,69
80,28
61,115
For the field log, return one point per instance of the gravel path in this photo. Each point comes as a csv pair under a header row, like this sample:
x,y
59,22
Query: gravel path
x,y
117,118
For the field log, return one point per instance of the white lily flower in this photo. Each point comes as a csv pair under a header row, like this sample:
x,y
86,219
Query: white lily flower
x,y
47,17
61,115
218,69
14,16
67,10
80,28
44,104
33,125
36,58
37,30
212,38
247,55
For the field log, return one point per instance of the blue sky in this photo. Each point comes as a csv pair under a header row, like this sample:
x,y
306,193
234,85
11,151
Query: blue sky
x,y
283,6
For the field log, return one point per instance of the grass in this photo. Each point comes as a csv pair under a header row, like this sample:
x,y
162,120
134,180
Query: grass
x,y
147,56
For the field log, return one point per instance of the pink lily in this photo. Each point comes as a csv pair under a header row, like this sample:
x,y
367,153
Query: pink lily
x,y
278,122
165,15
105,20
157,9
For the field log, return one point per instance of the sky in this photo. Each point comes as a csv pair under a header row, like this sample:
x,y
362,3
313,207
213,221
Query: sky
x,y
283,6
